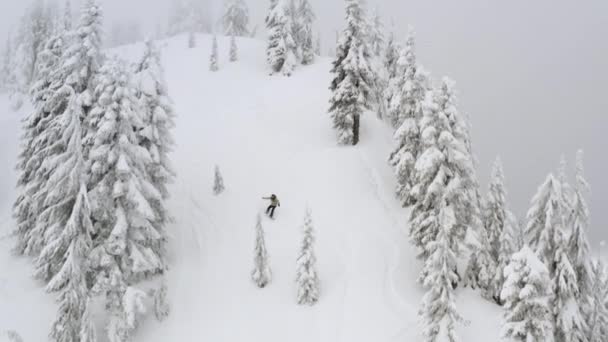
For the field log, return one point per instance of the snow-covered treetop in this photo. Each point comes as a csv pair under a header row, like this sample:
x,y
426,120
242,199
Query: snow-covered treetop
x,y
236,18
83,57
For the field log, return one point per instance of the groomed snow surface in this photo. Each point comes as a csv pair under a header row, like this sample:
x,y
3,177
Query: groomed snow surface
x,y
268,135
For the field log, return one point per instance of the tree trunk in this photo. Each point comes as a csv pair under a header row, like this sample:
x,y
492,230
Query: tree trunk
x,y
356,124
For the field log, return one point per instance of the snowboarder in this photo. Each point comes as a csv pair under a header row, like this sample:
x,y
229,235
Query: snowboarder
x,y
274,203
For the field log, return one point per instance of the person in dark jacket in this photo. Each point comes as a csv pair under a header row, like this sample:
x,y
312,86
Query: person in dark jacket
x,y
274,203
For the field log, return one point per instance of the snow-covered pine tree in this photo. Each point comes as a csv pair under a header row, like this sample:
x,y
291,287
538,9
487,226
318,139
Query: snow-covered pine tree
x,y
526,294
569,325
34,30
261,274
67,16
5,70
37,140
546,215
497,225
307,278
68,227
482,266
353,76
496,215
188,15
443,172
236,18
78,64
191,40
391,55
161,304
598,319
178,19
567,190
295,26
218,182
128,240
438,310
409,86
213,62
318,45
405,110
157,116
306,18
376,34
578,244
234,52
281,52
508,245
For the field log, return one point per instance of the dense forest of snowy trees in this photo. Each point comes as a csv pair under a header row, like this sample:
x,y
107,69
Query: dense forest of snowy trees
x,y
94,170
93,174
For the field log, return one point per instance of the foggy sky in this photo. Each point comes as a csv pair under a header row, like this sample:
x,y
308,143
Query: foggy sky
x,y
531,75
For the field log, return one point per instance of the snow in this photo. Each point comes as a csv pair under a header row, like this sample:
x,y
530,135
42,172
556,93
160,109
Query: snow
x,y
270,135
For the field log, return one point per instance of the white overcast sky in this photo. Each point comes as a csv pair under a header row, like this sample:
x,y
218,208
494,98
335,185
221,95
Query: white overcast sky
x,y
531,74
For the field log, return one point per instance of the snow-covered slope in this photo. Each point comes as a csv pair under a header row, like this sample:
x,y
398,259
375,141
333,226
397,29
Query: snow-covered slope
x,y
268,135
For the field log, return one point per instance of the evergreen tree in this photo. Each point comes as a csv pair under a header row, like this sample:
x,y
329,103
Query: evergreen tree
x,y
567,190
281,52
497,224
439,276
318,45
79,61
34,30
188,16
295,27
408,88
157,116
5,70
508,245
443,172
129,239
236,18
161,305
213,66
393,72
260,275
191,40
353,76
376,34
578,243
234,54
306,277
179,20
68,229
67,16
218,182
406,106
545,217
391,55
526,293
482,267
569,323
306,18
598,319
38,138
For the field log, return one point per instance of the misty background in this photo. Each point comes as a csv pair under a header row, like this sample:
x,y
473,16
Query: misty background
x,y
532,75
